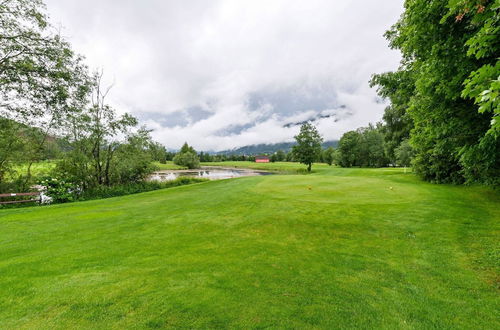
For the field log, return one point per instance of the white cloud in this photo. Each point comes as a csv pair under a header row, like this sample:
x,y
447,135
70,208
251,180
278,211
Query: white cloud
x,y
225,56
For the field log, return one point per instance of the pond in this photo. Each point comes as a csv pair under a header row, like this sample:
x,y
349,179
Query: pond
x,y
211,173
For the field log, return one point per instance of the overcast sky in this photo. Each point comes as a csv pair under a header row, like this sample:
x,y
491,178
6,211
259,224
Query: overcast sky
x,y
222,74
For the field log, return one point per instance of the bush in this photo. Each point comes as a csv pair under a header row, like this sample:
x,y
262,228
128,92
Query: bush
x,y
187,159
404,153
134,188
60,191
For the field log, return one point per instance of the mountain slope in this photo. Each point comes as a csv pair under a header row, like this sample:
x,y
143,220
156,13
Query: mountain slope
x,y
258,149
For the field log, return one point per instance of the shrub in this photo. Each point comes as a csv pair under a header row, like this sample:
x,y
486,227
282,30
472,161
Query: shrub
x,y
404,153
134,188
59,191
187,159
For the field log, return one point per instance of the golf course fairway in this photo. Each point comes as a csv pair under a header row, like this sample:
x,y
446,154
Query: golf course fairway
x,y
338,248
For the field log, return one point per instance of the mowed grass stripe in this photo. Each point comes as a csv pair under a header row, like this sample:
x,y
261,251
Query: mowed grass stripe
x,y
337,248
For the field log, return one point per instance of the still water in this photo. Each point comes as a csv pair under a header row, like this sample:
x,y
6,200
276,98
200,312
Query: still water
x,y
207,173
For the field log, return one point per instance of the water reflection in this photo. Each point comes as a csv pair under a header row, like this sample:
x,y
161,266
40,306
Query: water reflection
x,y
211,174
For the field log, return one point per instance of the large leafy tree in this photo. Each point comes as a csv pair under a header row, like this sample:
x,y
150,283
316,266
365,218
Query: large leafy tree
x,y
39,73
308,147
328,155
481,160
41,79
363,147
349,149
449,52
398,87
187,157
93,134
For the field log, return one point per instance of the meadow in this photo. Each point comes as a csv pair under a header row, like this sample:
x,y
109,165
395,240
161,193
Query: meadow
x,y
280,167
169,165
338,248
38,169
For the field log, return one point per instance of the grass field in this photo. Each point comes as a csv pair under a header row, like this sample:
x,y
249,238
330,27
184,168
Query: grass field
x,y
38,169
339,248
285,167
167,166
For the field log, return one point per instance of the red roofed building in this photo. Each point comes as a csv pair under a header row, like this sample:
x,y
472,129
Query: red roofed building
x,y
261,159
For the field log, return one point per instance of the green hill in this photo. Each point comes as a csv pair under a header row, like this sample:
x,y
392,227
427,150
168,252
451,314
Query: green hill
x,y
267,149
339,248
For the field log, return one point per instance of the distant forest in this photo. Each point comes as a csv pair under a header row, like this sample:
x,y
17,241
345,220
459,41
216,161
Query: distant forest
x,y
269,149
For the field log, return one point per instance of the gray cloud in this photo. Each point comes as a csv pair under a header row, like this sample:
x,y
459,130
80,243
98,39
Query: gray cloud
x,y
223,74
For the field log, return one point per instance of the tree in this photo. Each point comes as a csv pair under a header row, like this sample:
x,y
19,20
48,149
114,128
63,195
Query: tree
x,y
481,161
398,87
349,149
132,158
187,148
92,134
308,147
41,79
11,146
158,152
404,154
448,86
280,156
363,147
371,149
187,157
328,155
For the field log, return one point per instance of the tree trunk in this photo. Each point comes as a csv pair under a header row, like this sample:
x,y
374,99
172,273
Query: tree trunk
x,y
109,156
309,167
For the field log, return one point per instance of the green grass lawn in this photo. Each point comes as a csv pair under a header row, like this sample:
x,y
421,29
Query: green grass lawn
x,y
38,169
169,165
276,167
339,248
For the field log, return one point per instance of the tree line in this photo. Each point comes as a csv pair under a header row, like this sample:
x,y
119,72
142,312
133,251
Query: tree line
x,y
442,118
52,105
444,98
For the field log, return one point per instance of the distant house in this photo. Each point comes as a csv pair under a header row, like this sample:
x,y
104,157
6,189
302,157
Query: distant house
x,y
261,159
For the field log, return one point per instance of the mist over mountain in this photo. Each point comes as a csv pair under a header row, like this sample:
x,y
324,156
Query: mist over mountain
x,y
260,149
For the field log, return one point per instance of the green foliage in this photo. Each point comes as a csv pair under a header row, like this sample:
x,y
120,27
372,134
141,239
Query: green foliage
x,y
134,188
278,156
308,147
187,148
187,157
42,82
95,154
363,147
398,87
41,78
404,153
59,190
132,159
169,165
349,149
159,153
371,147
120,163
328,155
11,146
483,86
448,86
